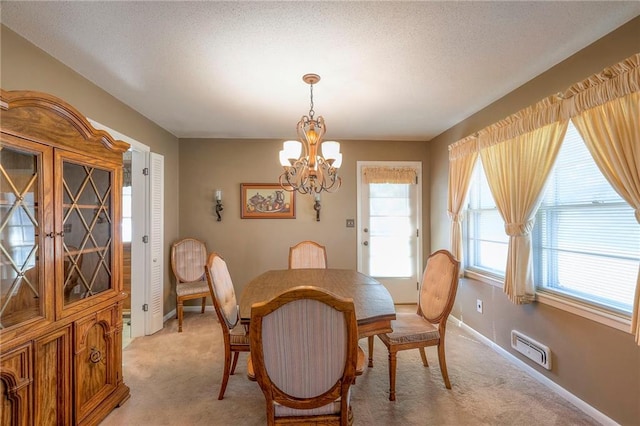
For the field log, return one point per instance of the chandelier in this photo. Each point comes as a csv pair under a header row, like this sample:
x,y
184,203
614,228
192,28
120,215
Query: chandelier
x,y
308,172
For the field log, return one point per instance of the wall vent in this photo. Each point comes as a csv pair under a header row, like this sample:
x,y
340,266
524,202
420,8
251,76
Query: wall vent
x,y
533,350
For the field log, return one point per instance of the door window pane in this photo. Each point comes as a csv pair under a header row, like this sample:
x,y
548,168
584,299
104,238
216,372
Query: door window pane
x,y
391,230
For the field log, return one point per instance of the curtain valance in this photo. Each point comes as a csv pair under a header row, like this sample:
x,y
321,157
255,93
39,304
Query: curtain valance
x,y
389,175
464,147
611,83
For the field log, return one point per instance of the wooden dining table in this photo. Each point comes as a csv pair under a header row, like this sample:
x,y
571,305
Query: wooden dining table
x,y
372,301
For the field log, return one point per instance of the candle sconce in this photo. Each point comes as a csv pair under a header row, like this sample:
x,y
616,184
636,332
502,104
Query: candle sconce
x,y
219,206
317,207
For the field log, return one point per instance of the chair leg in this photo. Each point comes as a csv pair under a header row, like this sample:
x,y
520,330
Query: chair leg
x,y
204,302
424,357
225,375
235,361
370,340
443,364
180,314
392,374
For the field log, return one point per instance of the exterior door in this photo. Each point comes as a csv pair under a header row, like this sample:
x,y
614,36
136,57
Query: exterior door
x,y
389,215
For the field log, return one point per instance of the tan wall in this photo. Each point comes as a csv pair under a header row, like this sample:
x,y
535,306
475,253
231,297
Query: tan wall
x,y
598,364
25,67
252,246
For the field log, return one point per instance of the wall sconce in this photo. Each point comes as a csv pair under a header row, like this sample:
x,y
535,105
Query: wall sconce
x,y
316,206
219,206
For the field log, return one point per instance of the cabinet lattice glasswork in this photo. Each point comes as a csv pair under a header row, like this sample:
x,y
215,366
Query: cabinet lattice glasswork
x,y
86,220
61,292
19,226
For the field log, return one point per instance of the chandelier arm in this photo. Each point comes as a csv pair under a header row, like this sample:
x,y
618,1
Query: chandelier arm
x,y
286,186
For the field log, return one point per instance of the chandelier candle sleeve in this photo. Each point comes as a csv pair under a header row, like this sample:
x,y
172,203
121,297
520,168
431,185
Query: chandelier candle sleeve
x,y
307,171
219,206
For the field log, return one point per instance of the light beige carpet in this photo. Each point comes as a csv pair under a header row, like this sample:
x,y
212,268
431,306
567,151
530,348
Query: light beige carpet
x,y
175,378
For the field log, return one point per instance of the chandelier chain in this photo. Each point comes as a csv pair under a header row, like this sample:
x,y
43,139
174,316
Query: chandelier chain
x,y
311,111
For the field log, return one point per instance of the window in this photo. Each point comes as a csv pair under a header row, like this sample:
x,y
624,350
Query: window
x,y
586,241
126,214
391,220
486,241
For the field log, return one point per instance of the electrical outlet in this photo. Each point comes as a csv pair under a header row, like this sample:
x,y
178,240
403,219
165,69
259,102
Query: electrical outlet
x,y
479,305
351,223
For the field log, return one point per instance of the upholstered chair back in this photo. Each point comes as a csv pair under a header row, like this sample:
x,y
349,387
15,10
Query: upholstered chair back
x,y
188,257
307,254
439,286
225,296
308,360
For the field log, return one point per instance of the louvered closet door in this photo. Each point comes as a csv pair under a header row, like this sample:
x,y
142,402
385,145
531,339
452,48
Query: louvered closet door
x,y
154,320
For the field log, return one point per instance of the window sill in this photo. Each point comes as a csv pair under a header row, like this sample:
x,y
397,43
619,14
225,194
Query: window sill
x,y
617,321
496,282
610,319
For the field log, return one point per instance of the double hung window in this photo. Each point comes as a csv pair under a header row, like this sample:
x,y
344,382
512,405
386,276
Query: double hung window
x,y
586,241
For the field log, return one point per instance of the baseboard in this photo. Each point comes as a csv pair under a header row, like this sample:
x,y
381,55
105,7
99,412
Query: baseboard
x,y
169,315
172,314
559,390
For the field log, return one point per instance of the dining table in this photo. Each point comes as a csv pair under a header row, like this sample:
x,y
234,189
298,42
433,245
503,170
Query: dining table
x,y
373,303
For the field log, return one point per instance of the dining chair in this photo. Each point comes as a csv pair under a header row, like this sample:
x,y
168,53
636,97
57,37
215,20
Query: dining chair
x,y
304,353
307,254
427,326
188,257
234,334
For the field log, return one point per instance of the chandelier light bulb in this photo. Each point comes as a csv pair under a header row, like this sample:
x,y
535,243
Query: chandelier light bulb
x,y
338,161
330,150
292,149
284,160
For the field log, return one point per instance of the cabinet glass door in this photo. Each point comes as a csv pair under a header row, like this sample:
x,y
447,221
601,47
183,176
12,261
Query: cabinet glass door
x,y
20,290
87,227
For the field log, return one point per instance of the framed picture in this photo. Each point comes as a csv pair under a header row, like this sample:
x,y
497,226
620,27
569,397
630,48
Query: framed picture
x,y
266,201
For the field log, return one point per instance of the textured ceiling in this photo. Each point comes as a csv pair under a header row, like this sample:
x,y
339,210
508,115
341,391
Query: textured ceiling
x,y
390,70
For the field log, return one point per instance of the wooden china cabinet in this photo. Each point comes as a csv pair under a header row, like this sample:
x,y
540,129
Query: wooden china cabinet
x,y
61,257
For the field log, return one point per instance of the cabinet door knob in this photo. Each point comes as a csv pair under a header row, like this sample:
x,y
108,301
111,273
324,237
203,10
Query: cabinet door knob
x,y
95,356
49,234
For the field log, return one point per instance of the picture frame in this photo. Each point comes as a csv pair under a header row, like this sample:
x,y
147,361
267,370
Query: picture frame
x,y
266,201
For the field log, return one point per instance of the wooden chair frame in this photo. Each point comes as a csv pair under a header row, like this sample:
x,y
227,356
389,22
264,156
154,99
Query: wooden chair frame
x,y
201,281
439,320
339,390
230,347
301,246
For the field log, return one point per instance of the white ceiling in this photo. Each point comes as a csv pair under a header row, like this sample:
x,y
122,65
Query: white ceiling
x,y
390,70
